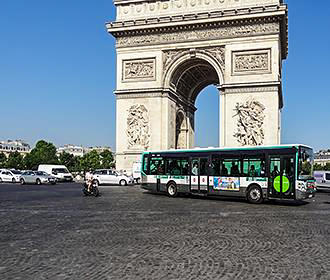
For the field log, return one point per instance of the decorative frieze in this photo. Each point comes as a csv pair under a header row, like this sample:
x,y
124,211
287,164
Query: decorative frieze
x,y
251,62
138,127
219,32
250,122
249,89
141,69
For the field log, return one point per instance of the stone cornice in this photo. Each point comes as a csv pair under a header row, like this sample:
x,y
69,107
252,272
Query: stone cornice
x,y
118,27
200,21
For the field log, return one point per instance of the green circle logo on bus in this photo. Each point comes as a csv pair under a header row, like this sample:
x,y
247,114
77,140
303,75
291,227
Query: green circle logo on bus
x,y
285,184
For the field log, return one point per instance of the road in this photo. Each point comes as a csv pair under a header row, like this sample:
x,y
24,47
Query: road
x,y
54,232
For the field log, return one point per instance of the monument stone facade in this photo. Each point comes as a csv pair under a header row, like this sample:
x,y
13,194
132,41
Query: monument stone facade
x,y
169,50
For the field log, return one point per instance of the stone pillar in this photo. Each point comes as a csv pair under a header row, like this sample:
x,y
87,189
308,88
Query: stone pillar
x,y
222,118
251,116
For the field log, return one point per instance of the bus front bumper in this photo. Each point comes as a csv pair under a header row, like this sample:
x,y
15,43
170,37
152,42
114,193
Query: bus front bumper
x,y
302,195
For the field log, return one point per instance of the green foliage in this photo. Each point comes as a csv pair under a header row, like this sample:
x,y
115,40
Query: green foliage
x,y
306,167
43,153
70,161
91,160
107,159
3,160
327,167
322,167
15,161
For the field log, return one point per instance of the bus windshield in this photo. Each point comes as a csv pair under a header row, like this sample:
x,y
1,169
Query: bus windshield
x,y
306,160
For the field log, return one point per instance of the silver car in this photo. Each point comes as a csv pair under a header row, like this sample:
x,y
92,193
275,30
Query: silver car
x,y
37,177
111,177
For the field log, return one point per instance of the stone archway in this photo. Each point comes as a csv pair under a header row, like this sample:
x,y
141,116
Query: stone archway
x,y
168,51
188,72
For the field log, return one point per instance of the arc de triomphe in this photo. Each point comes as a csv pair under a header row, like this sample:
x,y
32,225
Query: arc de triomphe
x,y
169,50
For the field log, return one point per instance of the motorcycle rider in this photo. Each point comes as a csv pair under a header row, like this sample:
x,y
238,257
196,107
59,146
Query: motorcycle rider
x,y
89,180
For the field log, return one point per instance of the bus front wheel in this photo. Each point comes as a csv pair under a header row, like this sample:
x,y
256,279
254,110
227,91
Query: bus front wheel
x,y
254,195
172,190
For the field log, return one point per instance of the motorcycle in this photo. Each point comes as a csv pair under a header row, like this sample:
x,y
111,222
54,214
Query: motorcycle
x,y
94,191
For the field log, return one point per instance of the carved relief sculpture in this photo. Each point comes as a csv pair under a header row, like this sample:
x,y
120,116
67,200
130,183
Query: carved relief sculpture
x,y
250,122
139,69
251,61
219,54
138,127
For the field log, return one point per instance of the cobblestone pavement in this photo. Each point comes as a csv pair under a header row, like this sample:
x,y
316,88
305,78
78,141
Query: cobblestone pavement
x,y
53,232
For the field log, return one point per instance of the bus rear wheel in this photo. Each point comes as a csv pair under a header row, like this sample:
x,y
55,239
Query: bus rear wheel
x,y
254,195
172,190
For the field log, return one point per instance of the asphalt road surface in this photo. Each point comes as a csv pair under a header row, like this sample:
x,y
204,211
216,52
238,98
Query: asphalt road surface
x,y
54,232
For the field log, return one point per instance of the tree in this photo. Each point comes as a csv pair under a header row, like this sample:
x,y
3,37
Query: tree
x,y
70,161
318,166
3,160
91,160
107,159
15,161
43,153
327,167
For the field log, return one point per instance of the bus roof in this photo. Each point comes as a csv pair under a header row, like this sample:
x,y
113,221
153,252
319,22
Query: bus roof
x,y
197,149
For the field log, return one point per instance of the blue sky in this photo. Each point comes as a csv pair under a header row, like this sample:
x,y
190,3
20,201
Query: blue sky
x,y
57,75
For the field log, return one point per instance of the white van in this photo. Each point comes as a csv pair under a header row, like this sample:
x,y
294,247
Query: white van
x,y
322,179
60,172
136,169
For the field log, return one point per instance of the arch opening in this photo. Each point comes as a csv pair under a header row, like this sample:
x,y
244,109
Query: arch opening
x,y
191,76
187,81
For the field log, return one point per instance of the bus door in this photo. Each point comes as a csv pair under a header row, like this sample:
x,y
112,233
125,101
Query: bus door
x,y
198,179
281,181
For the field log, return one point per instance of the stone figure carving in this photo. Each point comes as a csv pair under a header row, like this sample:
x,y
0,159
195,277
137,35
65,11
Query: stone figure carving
x,y
169,57
250,123
138,127
251,62
137,69
219,54
202,34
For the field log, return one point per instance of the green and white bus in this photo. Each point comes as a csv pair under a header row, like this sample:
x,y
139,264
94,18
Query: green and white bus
x,y
255,173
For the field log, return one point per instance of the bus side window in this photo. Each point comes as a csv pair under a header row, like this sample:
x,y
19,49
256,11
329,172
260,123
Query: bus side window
x,y
145,165
275,167
185,166
231,167
157,166
195,167
176,166
327,176
254,167
203,166
215,166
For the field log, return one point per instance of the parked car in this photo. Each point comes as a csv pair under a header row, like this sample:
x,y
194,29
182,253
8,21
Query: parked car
x,y
59,171
322,179
7,175
110,177
37,177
